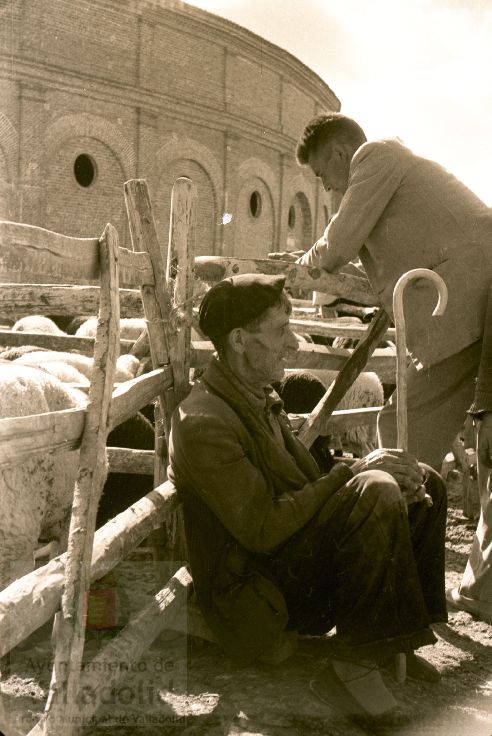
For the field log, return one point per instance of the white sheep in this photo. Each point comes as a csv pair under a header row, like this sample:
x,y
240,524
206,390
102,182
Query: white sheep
x,y
126,365
65,372
366,391
35,493
130,328
37,323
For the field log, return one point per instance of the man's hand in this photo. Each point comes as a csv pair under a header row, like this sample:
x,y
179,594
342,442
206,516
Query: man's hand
x,y
401,465
484,440
286,255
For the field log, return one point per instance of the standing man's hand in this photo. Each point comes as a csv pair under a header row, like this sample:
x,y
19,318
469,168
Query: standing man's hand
x,y
484,440
402,466
286,255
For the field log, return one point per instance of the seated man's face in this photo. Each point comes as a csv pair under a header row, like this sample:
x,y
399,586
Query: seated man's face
x,y
268,350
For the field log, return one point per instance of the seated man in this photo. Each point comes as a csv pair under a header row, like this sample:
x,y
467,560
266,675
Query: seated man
x,y
274,545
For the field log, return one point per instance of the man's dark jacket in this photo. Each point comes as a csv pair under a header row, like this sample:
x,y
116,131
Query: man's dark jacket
x,y
247,484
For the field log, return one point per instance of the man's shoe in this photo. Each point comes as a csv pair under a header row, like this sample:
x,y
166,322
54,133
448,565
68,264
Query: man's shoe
x,y
480,609
363,698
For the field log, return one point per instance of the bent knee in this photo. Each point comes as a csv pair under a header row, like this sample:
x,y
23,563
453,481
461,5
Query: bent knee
x,y
380,487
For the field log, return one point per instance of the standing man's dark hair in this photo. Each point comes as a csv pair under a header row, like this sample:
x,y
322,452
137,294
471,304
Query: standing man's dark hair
x,y
327,127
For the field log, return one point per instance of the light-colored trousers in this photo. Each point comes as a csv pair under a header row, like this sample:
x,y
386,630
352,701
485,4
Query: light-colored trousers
x,y
438,399
476,582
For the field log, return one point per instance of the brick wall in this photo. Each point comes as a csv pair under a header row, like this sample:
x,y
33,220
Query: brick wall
x,y
95,40
154,90
77,210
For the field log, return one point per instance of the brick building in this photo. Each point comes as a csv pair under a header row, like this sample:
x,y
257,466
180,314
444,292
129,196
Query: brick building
x,y
96,92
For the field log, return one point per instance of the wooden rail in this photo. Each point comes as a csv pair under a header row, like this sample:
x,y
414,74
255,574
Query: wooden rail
x,y
382,362
84,345
351,288
334,328
21,299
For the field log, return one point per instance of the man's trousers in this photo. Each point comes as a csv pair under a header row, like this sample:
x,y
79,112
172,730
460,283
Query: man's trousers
x,y
438,399
366,566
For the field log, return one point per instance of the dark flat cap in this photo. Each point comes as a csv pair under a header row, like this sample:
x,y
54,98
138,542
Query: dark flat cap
x,y
236,301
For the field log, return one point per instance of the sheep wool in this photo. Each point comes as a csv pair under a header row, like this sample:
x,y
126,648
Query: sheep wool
x,y
37,323
35,494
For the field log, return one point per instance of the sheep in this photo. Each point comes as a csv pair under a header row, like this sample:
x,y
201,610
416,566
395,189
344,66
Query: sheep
x,y
130,328
37,323
17,351
126,365
65,372
35,494
301,390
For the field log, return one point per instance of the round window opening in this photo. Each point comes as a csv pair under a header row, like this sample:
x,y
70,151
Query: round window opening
x,y
292,217
84,170
255,204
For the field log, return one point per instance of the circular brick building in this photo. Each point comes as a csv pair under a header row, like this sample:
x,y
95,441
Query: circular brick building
x,y
100,91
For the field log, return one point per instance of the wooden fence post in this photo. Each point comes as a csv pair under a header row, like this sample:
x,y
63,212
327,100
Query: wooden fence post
x,y
179,276
69,626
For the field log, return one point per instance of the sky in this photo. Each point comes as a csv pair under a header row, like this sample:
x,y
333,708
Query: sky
x,y
417,69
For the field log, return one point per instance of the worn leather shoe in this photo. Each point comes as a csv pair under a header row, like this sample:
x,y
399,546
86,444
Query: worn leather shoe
x,y
363,698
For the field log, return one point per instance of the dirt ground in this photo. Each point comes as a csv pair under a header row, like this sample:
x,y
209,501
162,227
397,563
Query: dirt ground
x,y
185,688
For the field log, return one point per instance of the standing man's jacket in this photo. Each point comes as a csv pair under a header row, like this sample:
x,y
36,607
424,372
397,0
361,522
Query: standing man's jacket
x,y
247,485
400,212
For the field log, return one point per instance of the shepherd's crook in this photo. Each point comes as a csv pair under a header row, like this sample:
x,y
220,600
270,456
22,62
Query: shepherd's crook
x,y
401,379
401,343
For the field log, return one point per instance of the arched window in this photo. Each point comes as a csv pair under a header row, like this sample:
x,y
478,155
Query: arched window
x,y
255,204
85,170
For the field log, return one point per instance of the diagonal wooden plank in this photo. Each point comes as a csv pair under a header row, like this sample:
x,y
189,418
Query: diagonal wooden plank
x,y
27,603
357,362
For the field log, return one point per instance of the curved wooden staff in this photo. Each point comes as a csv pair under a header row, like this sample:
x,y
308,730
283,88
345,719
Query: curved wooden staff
x,y
401,380
401,343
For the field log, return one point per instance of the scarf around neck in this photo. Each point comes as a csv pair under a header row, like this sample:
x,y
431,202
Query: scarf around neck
x,y
285,469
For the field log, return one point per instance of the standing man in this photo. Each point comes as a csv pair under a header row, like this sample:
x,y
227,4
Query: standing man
x,y
475,592
398,212
274,545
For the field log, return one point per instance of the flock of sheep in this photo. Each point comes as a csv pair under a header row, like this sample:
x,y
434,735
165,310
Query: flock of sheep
x,y
35,496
